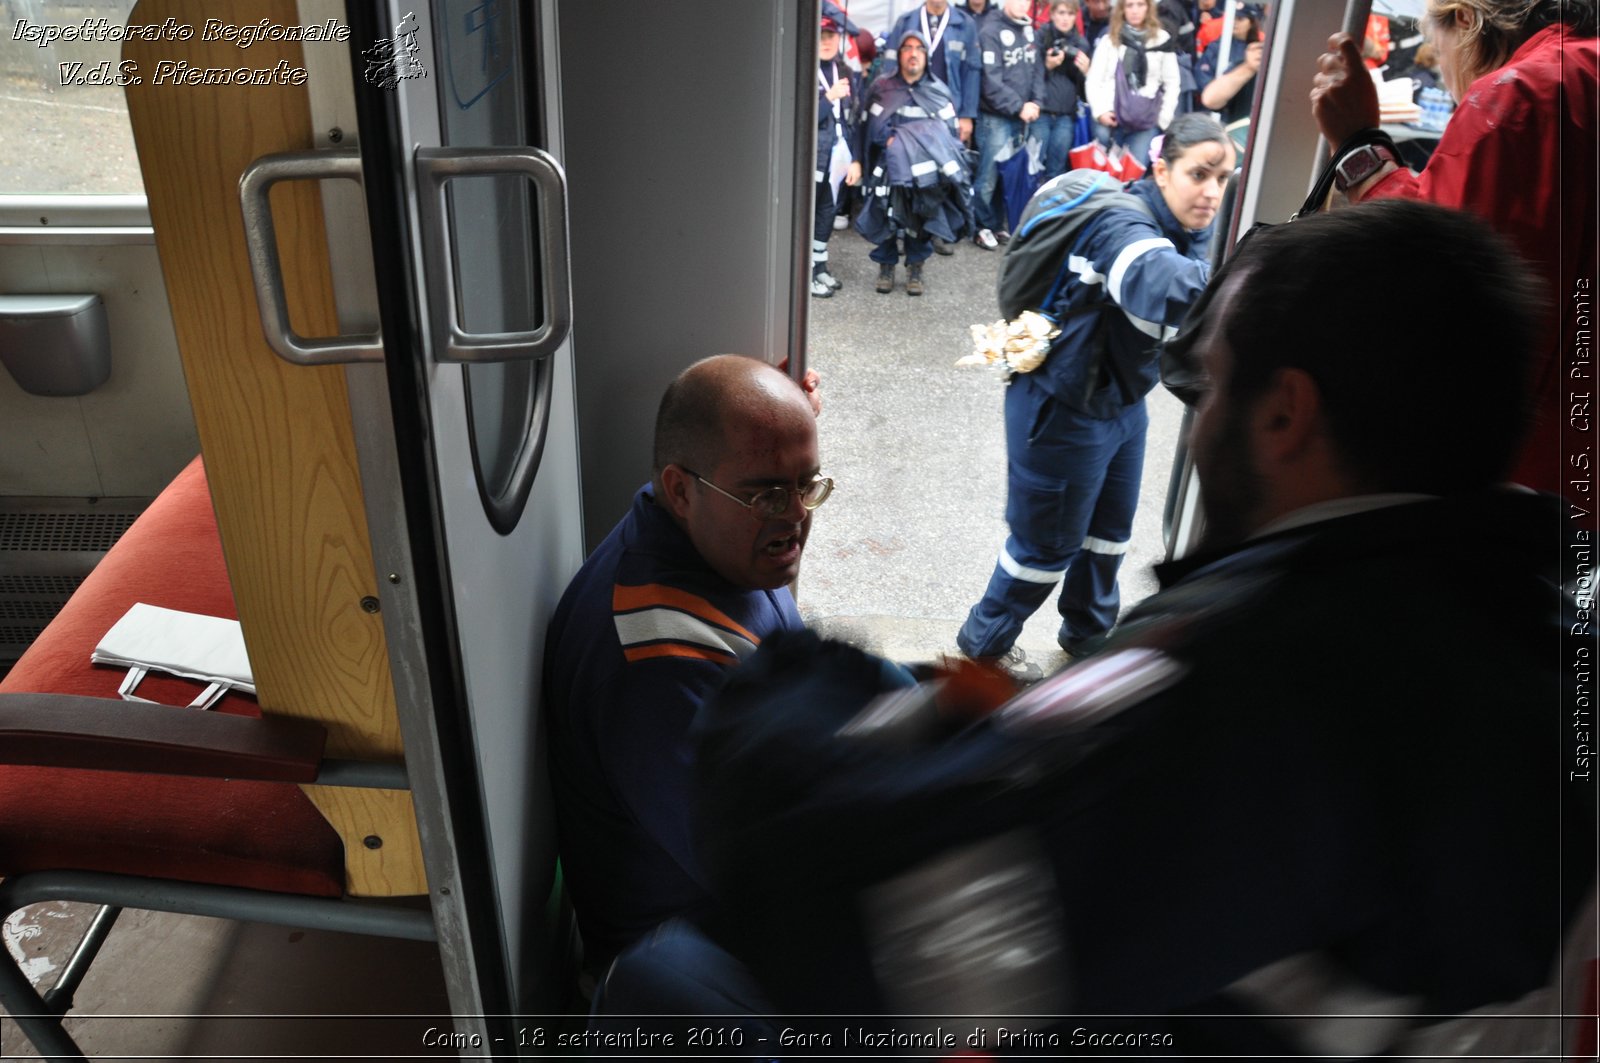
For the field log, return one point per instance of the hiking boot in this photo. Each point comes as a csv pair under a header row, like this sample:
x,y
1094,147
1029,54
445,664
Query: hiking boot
x,y
1081,646
914,278
830,280
820,289
985,239
885,283
943,247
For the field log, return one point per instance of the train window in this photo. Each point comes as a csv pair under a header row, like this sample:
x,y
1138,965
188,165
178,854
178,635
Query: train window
x,y
484,102
61,82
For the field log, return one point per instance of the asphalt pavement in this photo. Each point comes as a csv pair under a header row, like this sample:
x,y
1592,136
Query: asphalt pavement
x,y
916,447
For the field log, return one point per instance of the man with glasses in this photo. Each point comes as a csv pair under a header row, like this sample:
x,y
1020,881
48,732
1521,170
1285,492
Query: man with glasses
x,y
918,186
688,583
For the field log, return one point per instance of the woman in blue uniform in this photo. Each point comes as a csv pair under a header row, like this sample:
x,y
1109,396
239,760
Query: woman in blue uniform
x,y
1075,427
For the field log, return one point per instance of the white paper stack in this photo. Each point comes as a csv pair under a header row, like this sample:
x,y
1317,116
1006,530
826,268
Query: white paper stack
x,y
1395,100
206,648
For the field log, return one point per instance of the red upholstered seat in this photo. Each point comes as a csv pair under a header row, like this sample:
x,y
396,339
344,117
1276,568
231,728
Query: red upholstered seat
x,y
233,833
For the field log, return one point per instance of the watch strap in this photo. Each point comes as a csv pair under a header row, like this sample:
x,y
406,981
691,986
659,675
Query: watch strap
x,y
1345,176
1325,180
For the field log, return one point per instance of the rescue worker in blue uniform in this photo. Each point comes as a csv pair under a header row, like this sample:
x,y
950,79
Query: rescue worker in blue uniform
x,y
918,185
1075,427
952,38
687,584
1293,785
838,90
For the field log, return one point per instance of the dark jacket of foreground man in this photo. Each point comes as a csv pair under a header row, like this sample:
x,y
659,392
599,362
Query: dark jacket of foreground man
x,y
1342,748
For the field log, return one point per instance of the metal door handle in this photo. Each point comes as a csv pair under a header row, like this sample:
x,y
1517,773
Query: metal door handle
x,y
261,238
435,168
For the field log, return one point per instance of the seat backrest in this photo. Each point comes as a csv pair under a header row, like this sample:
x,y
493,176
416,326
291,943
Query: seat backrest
x,y
277,439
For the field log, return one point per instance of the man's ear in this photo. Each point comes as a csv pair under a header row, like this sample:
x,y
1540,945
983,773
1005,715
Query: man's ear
x,y
675,487
1289,417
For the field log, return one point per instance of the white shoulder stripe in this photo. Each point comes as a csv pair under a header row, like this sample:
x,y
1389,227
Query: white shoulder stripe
x,y
1084,269
649,625
1128,256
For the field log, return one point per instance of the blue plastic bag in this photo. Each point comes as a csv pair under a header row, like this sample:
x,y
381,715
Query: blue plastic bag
x,y
1083,128
1020,177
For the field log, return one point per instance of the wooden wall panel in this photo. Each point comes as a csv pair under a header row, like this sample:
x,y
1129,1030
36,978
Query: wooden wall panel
x,y
277,439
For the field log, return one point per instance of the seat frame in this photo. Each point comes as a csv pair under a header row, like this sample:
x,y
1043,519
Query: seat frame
x,y
75,731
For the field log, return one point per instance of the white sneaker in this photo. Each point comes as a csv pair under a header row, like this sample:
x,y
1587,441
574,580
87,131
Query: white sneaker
x,y
985,239
840,222
820,289
829,279
1015,663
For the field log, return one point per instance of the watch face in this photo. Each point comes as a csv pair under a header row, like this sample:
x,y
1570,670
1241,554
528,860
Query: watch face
x,y
1357,167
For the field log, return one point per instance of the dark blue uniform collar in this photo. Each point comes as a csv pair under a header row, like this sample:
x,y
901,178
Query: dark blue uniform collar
x,y
657,533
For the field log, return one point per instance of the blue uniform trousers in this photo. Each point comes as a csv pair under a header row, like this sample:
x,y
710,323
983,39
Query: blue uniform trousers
x,y
918,249
827,209
1071,490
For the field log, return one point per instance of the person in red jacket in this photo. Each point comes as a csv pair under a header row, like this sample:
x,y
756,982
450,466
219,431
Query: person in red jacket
x,y
1519,153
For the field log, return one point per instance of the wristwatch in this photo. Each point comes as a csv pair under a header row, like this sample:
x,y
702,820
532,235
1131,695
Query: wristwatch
x,y
1358,164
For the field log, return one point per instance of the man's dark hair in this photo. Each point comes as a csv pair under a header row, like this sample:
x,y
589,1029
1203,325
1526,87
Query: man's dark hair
x,y
1417,324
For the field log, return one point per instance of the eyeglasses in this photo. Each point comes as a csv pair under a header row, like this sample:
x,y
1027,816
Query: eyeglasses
x,y
772,502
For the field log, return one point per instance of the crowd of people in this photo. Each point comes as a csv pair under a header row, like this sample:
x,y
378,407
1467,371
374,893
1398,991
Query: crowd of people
x,y
1243,798
1017,76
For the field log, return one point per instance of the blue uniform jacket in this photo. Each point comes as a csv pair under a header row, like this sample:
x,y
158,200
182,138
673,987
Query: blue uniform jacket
x,y
920,182
1131,281
891,101
644,633
828,128
963,65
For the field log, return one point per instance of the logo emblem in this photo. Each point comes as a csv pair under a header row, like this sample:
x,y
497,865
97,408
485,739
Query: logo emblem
x,y
392,61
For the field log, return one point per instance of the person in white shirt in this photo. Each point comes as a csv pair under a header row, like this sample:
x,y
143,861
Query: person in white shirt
x,y
1138,51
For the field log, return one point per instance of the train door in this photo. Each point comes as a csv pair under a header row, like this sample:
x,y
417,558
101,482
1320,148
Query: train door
x,y
462,408
459,125
479,122
1283,155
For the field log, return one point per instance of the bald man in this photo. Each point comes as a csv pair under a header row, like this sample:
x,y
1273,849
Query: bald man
x,y
687,584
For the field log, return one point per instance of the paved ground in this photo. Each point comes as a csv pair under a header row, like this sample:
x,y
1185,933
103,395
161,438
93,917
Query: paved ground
x,y
906,544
